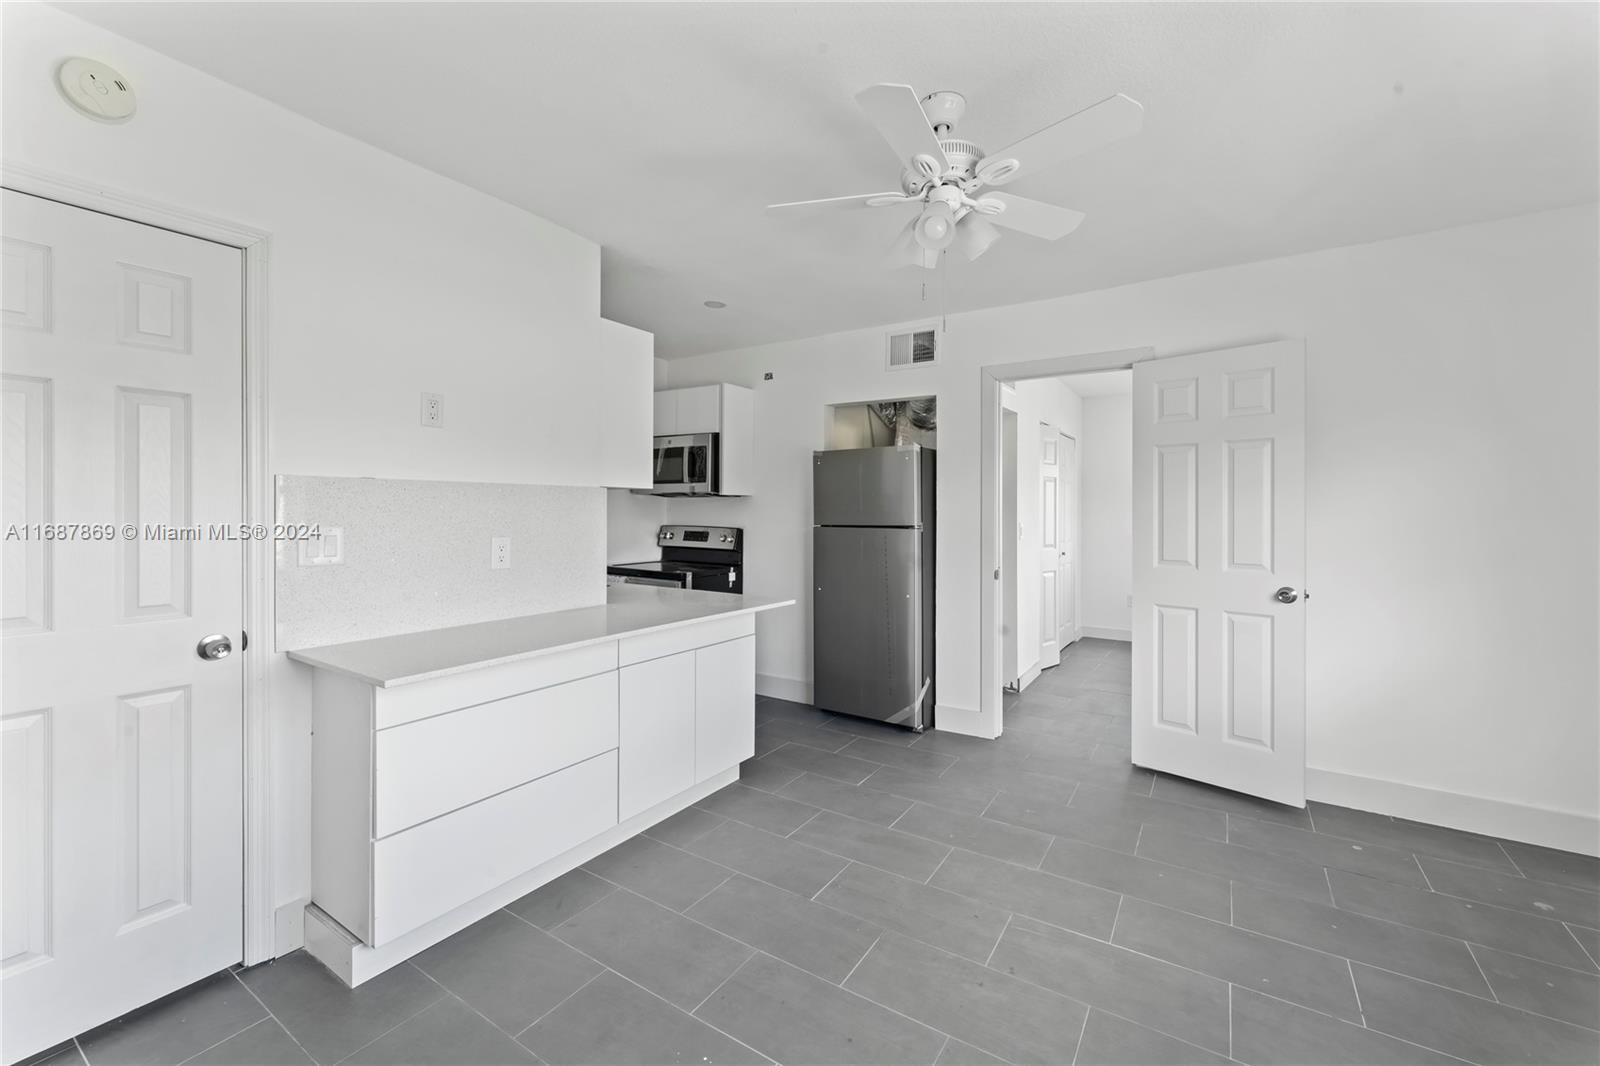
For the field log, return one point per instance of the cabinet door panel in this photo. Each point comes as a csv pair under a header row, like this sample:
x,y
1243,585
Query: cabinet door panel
x,y
666,412
699,409
656,746
725,701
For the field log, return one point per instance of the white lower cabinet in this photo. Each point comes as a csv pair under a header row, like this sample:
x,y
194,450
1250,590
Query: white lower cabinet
x,y
435,867
724,702
430,799
656,738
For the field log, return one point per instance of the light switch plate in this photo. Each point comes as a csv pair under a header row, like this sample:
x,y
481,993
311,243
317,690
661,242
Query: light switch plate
x,y
499,553
324,550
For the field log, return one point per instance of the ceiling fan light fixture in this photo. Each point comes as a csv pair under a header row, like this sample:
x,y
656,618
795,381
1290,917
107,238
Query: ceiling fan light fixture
x,y
936,227
974,235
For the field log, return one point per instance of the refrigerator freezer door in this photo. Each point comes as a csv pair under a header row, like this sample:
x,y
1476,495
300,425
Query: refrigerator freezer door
x,y
868,624
867,487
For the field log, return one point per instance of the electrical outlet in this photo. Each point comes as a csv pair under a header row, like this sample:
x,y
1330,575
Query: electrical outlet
x,y
324,550
499,553
432,410
1130,599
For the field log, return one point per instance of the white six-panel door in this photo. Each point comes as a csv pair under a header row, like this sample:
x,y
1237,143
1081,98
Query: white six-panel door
x,y
1050,546
1219,529
121,784
1067,585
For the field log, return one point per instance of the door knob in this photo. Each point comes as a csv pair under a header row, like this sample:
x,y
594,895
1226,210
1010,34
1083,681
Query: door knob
x,y
216,646
1286,595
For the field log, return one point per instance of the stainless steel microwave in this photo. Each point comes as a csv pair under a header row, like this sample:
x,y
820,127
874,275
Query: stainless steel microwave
x,y
686,465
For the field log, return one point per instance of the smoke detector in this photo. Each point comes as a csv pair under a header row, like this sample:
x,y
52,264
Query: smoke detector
x,y
96,90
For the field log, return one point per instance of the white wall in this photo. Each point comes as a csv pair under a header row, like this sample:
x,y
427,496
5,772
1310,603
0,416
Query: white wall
x,y
1106,458
385,281
1452,477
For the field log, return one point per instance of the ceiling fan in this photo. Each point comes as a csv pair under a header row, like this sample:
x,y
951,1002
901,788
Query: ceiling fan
x,y
946,175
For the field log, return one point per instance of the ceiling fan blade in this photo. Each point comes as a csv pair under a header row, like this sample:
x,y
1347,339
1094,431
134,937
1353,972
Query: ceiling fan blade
x,y
1094,127
906,252
897,113
833,203
974,235
1035,217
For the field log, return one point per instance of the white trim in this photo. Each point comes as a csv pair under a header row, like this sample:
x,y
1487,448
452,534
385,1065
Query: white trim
x,y
988,719
1566,830
1029,676
354,962
1106,634
260,506
948,718
784,688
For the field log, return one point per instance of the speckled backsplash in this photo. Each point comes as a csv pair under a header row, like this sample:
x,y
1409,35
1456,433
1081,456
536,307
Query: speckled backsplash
x,y
416,555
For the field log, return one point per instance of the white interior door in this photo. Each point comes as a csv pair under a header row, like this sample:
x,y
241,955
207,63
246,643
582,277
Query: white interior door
x,y
122,760
1218,552
1049,546
1067,611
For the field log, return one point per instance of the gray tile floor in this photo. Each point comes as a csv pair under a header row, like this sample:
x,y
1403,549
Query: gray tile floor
x,y
868,896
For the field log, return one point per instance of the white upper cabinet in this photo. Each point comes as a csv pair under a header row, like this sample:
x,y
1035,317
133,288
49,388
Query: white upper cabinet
x,y
727,410
699,410
627,356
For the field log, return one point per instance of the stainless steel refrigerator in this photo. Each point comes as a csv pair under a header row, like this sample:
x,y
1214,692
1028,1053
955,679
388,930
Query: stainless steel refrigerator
x,y
872,570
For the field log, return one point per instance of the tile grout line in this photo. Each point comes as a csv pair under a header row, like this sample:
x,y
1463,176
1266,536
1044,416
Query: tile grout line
x,y
942,1047
1509,859
857,965
1350,968
951,851
219,1043
453,994
990,957
518,1036
1343,1021
657,995
814,815
270,1013
391,1028
1077,1049
1487,983
1230,1019
697,902
831,880
1581,947
1111,937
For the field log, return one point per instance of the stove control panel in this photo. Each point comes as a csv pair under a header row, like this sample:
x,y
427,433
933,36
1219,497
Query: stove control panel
x,y
721,538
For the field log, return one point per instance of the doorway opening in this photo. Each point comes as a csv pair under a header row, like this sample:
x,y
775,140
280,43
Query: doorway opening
x,y
1066,474
1216,678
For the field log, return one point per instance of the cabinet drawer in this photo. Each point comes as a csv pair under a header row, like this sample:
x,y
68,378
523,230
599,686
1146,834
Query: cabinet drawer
x,y
426,768
672,641
435,867
407,703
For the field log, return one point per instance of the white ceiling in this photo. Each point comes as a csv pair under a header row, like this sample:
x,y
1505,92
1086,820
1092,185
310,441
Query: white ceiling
x,y
661,130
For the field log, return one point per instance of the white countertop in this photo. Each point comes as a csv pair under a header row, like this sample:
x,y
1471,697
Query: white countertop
x,y
628,611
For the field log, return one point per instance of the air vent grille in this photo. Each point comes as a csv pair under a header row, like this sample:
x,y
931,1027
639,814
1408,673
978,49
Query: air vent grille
x,y
918,347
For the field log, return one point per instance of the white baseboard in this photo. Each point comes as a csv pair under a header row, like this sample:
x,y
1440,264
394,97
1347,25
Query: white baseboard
x,y
1029,676
784,688
1567,830
1106,634
289,928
